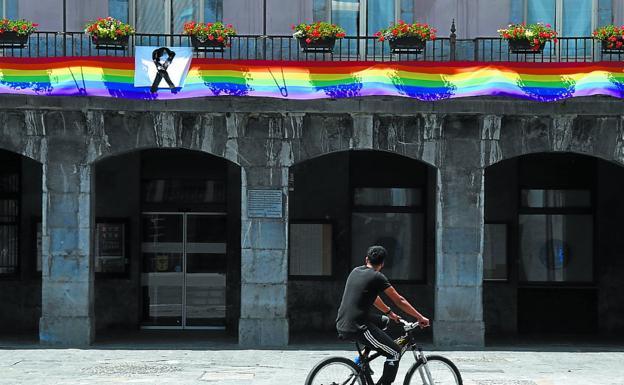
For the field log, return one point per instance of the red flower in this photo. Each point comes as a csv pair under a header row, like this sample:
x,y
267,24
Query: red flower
x,y
210,37
220,38
308,40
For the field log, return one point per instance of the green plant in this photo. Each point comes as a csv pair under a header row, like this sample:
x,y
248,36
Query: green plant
x,y
612,35
421,31
536,34
108,27
210,31
319,30
20,27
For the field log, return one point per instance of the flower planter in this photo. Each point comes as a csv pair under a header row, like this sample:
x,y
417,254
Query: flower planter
x,y
207,45
321,45
524,46
107,43
613,49
11,39
407,44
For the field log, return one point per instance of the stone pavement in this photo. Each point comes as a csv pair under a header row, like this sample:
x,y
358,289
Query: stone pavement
x,y
203,363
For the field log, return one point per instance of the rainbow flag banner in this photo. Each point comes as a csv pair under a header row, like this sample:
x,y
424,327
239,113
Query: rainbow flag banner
x,y
428,81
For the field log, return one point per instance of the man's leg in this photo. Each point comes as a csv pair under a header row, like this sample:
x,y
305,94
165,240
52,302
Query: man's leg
x,y
377,339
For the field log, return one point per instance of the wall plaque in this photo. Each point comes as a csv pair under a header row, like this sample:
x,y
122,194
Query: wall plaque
x,y
264,203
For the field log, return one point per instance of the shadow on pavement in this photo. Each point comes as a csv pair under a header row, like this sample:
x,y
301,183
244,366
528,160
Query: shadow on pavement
x,y
212,341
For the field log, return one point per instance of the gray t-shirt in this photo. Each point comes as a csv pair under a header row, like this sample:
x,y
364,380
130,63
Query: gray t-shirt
x,y
363,286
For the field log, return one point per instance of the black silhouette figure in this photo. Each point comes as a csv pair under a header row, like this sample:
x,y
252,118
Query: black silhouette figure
x,y
162,67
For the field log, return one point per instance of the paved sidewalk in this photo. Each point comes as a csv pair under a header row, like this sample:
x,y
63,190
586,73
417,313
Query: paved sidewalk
x,y
224,363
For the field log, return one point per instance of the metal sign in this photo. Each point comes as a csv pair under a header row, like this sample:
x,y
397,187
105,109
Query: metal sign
x,y
265,203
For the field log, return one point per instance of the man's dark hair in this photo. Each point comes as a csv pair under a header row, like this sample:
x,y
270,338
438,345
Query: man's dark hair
x,y
376,255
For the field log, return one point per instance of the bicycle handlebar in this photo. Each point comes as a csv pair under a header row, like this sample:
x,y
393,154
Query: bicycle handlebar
x,y
407,326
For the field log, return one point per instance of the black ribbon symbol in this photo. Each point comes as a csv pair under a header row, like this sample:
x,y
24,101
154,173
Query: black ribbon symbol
x,y
162,67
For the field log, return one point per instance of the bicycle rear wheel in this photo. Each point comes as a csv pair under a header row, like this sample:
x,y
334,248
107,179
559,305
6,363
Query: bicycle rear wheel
x,y
335,371
443,372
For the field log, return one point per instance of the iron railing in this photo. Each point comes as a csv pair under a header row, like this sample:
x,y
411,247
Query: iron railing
x,y
286,48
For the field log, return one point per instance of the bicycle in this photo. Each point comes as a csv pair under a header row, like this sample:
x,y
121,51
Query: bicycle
x,y
432,370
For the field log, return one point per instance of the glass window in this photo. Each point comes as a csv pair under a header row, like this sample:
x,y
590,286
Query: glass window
x,y
556,248
183,191
577,18
320,10
495,251
310,249
541,11
571,18
380,14
401,197
9,223
346,13
535,198
402,234
118,9
407,11
183,12
213,10
150,16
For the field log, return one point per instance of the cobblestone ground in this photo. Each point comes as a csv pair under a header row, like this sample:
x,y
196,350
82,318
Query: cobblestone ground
x,y
227,364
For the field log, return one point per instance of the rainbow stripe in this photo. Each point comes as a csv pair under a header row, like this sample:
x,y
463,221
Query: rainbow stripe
x,y
114,77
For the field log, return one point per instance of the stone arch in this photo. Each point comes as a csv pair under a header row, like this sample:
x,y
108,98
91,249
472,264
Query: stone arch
x,y
514,136
211,176
412,136
322,194
125,132
20,266
586,230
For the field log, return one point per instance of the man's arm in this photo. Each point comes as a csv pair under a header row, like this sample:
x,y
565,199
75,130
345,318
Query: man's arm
x,y
403,305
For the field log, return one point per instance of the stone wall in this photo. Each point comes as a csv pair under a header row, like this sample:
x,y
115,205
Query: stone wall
x,y
459,138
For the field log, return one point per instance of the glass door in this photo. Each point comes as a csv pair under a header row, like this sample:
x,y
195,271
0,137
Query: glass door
x,y
205,270
162,278
184,270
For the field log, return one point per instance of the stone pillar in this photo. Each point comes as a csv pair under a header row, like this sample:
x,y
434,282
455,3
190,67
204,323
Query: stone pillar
x,y
264,238
67,276
458,317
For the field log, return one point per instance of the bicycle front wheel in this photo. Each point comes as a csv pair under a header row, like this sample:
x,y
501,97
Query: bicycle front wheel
x,y
440,370
334,371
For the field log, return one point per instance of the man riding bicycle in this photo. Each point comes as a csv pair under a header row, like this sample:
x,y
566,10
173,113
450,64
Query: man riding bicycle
x,y
356,323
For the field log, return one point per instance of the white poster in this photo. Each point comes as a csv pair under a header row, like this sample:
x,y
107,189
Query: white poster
x,y
161,67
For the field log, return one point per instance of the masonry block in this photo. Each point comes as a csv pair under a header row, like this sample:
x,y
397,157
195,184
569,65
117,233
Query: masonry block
x,y
264,266
254,332
264,234
263,300
71,330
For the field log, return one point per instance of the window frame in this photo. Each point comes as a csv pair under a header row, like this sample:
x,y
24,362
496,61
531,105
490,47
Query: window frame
x,y
416,209
362,13
590,210
507,253
15,167
328,277
169,27
558,26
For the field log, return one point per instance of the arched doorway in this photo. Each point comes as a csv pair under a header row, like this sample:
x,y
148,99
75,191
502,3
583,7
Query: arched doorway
x,y
167,241
341,203
551,246
20,245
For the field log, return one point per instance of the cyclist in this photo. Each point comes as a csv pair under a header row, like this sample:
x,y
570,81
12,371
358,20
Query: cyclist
x,y
355,321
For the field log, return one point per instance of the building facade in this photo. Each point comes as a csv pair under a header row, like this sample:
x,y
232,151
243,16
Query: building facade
x,y
242,213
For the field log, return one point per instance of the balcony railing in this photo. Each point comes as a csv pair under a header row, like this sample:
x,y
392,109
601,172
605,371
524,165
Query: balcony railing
x,y
254,47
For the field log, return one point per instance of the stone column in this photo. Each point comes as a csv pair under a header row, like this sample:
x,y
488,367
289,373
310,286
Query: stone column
x,y
458,317
67,276
264,238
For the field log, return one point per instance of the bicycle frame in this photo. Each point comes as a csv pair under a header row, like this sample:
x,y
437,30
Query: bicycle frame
x,y
365,371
